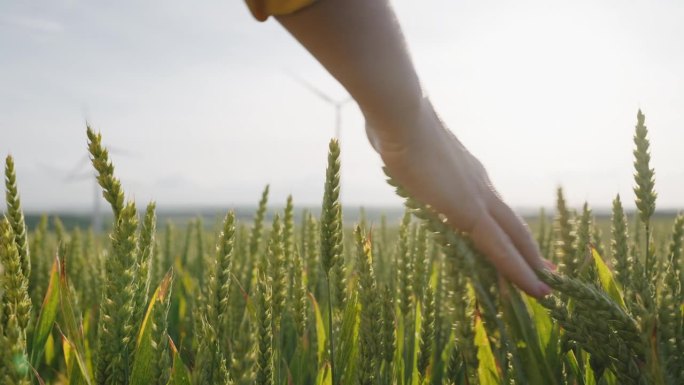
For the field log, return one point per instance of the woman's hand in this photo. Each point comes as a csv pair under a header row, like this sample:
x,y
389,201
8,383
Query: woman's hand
x,y
360,43
435,168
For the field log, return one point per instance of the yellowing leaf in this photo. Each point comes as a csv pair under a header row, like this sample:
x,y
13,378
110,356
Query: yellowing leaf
x,y
324,376
415,377
608,283
487,371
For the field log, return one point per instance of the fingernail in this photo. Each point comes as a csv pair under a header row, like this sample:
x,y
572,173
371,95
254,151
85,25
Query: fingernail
x,y
550,265
543,289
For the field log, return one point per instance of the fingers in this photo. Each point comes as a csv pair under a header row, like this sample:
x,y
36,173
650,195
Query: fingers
x,y
491,240
517,232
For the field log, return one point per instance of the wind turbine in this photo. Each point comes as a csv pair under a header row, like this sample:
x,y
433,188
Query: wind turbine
x,y
78,174
337,104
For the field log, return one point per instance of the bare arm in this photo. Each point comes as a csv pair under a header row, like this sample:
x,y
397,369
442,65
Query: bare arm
x,y
361,44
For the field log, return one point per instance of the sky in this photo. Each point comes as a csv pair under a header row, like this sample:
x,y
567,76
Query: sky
x,y
200,107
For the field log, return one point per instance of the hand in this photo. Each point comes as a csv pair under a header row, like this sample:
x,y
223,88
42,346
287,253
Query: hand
x,y
435,168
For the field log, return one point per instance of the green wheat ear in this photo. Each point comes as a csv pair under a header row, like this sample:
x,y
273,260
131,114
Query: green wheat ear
x,y
60,232
118,308
243,358
597,237
332,253
299,297
142,277
454,366
370,337
541,232
670,315
200,256
311,249
331,221
210,363
16,308
404,266
644,189
590,333
427,331
264,367
15,216
288,229
289,245
16,303
644,174
218,292
388,323
620,242
421,263
111,186
598,307
161,367
277,271
582,241
256,257
13,282
565,236
257,230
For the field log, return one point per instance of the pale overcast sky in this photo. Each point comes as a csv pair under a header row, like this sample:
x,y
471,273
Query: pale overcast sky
x,y
198,99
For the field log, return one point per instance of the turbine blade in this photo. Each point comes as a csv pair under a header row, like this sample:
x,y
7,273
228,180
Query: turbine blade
x,y
123,152
78,168
311,88
79,177
345,101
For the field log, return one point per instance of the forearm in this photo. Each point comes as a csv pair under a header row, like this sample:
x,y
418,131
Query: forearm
x,y
361,44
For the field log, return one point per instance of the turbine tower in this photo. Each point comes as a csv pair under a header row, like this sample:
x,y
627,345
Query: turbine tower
x,y
77,175
337,104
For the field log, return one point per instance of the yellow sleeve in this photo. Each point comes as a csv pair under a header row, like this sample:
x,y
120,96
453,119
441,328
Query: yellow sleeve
x,y
262,9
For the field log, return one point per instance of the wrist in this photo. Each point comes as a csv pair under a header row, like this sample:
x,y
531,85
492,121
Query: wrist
x,y
391,131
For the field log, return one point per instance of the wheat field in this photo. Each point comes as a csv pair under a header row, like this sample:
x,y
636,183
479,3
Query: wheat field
x,y
318,302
